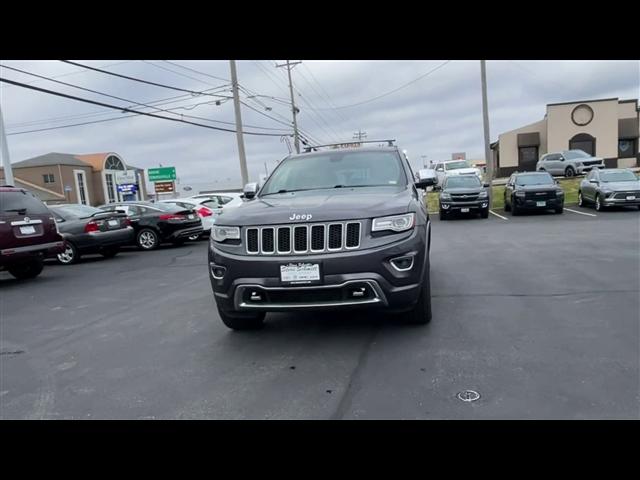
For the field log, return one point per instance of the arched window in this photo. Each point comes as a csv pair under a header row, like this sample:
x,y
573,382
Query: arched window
x,y
113,163
584,142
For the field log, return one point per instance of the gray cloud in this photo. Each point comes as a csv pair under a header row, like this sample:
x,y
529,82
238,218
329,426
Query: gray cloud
x,y
435,116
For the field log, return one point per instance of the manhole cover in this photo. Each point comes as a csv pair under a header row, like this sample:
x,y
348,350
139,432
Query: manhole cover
x,y
468,396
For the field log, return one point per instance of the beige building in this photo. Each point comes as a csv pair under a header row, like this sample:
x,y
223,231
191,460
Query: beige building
x,y
607,128
92,179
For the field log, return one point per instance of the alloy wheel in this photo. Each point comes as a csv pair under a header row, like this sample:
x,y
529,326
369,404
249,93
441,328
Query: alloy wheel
x,y
67,256
147,240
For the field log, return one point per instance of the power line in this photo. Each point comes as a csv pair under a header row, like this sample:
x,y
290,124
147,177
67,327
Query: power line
x,y
395,89
197,71
134,79
179,73
75,72
124,109
326,95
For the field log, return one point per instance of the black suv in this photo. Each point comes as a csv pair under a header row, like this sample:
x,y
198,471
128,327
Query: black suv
x,y
465,194
533,191
330,229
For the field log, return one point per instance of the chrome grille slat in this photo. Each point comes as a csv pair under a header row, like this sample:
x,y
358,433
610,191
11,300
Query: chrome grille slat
x,y
303,238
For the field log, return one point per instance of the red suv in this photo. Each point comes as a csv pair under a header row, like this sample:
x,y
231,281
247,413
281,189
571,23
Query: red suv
x,y
28,233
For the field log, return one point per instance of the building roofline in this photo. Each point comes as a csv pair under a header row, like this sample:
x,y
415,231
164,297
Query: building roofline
x,y
583,101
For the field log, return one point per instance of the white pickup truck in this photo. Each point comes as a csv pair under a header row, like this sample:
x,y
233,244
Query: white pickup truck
x,y
455,167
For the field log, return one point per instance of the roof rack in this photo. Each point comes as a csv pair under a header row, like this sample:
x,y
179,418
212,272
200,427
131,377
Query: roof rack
x,y
389,142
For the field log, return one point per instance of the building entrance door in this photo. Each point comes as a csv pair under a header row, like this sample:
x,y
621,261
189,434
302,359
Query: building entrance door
x,y
527,159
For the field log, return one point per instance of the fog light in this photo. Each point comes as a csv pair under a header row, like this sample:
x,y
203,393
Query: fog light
x,y
484,205
217,271
444,206
255,297
402,264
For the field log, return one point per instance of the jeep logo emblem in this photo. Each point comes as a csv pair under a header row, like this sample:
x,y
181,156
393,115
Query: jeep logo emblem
x,y
296,216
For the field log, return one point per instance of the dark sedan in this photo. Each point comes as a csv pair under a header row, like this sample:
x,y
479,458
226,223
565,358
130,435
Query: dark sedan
x,y
156,223
90,230
533,191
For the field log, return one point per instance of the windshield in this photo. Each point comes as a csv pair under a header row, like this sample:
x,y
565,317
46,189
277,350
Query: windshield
x,y
535,179
463,181
620,176
336,170
79,211
572,154
457,165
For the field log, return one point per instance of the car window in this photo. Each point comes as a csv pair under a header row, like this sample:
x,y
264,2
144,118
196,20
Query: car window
x,y
340,169
224,200
575,154
457,165
462,181
618,176
21,203
210,204
439,167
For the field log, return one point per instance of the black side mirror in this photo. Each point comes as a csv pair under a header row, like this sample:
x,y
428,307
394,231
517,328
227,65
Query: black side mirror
x,y
486,185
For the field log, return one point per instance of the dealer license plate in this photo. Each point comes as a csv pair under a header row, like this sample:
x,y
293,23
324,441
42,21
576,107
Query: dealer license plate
x,y
631,197
300,272
541,204
113,223
191,217
464,210
28,230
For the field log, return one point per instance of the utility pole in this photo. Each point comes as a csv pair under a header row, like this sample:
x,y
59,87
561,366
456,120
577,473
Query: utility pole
x,y
487,138
424,160
239,137
359,135
6,161
296,136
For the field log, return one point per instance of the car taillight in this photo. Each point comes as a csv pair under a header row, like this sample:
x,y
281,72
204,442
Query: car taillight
x,y
204,212
167,216
91,227
127,222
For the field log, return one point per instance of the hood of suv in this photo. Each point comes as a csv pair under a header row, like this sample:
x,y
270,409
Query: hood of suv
x,y
319,206
463,190
538,188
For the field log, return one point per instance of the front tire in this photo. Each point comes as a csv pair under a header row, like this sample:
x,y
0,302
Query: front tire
x,y
420,314
515,211
560,209
484,213
69,256
569,172
507,206
580,200
241,321
443,215
599,206
26,270
147,239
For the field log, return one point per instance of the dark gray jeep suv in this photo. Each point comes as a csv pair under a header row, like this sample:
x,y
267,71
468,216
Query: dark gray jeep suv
x,y
329,229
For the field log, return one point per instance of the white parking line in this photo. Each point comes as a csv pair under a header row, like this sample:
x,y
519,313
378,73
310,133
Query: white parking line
x,y
581,213
500,216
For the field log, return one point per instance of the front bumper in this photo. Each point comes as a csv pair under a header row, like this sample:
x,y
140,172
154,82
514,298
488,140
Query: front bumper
x,y
587,168
609,201
550,203
474,206
352,279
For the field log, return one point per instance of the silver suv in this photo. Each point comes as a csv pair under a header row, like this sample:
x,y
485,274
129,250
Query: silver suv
x,y
568,163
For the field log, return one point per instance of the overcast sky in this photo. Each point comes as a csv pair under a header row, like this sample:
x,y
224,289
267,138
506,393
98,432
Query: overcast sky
x,y
436,115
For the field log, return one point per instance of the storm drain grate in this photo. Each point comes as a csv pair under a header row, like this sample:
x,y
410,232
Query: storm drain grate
x,y
468,395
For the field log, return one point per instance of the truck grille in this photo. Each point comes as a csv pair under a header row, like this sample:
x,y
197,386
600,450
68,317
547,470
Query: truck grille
x,y
464,197
301,239
540,195
624,195
592,162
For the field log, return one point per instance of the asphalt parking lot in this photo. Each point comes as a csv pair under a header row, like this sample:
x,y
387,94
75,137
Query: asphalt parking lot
x,y
539,314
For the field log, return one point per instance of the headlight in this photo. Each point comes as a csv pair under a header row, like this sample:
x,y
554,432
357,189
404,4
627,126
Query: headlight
x,y
520,194
445,196
483,194
397,223
559,193
220,233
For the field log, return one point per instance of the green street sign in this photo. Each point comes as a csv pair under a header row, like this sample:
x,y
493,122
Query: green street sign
x,y
162,174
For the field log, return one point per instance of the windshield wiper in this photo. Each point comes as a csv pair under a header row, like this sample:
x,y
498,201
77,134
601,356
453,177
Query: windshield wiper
x,y
360,186
284,190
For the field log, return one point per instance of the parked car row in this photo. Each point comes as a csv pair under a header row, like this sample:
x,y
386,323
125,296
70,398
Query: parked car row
x,y
31,231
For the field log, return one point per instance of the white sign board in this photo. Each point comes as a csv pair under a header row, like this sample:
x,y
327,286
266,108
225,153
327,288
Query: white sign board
x,y
128,177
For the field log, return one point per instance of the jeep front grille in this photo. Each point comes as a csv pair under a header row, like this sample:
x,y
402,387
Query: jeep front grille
x,y
303,238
